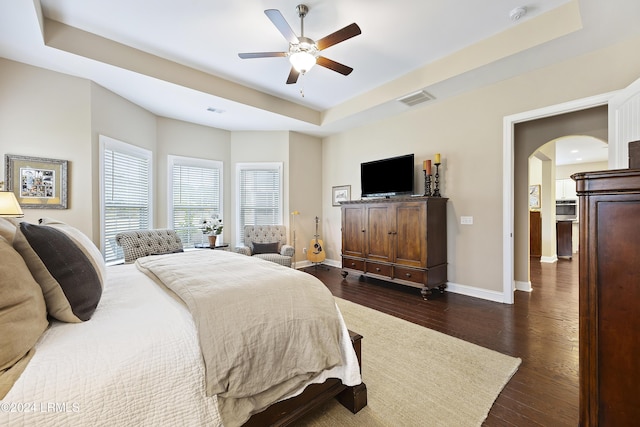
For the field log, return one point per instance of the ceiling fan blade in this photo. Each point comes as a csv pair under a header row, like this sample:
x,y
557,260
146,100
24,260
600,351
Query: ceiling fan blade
x,y
282,25
339,36
333,65
293,76
261,55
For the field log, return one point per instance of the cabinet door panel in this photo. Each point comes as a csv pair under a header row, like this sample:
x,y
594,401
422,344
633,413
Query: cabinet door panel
x,y
410,232
618,291
353,231
378,233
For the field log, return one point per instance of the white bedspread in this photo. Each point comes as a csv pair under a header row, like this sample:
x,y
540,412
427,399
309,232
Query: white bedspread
x,y
137,362
264,329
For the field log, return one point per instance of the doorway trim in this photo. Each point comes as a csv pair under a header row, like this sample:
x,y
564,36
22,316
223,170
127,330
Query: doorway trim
x,y
508,149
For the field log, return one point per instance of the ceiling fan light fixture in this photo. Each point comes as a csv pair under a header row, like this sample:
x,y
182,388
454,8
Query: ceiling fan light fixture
x,y
303,55
304,52
302,61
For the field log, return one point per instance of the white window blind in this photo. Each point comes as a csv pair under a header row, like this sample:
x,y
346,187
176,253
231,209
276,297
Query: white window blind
x,y
126,193
196,195
259,195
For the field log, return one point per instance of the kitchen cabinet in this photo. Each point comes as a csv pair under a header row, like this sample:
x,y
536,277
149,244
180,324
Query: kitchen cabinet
x,y
565,189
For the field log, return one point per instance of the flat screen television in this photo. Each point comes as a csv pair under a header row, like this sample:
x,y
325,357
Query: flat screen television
x,y
387,177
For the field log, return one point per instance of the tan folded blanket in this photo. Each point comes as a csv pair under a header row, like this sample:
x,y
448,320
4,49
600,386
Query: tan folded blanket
x,y
264,329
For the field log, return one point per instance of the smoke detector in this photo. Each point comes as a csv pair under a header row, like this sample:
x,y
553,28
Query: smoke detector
x,y
517,13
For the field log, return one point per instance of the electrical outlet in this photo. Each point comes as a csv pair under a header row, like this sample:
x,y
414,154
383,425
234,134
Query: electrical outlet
x,y
466,220
304,250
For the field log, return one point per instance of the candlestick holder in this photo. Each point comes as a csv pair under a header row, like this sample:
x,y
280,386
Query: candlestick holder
x,y
427,184
436,191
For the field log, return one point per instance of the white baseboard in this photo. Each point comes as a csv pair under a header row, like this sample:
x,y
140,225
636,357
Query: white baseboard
x,y
549,259
471,291
306,263
523,286
495,296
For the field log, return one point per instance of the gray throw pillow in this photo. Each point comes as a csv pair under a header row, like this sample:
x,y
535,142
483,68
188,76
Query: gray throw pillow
x,y
265,248
64,263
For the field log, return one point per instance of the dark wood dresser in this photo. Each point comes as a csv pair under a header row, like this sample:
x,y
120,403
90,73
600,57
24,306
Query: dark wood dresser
x,y
609,297
401,240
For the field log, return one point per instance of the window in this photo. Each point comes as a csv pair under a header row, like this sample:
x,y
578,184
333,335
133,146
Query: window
x,y
195,194
259,195
125,193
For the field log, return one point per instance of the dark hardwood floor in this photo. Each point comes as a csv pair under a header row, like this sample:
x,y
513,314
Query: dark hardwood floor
x,y
541,328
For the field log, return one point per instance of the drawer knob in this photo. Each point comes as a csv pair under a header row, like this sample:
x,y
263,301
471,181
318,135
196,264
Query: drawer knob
x,y
377,268
408,274
353,264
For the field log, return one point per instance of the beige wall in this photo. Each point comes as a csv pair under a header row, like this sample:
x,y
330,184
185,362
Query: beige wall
x,y
565,171
179,138
119,119
44,114
305,168
300,157
49,114
467,130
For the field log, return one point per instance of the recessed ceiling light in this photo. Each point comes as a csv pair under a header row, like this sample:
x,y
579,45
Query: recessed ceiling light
x,y
574,151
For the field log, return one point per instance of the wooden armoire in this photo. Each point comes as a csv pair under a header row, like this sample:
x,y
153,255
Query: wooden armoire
x,y
400,239
609,297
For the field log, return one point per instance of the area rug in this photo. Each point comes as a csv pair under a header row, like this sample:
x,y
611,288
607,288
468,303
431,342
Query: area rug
x,y
416,376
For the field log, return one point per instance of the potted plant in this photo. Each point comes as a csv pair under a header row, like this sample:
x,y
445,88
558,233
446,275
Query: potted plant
x,y
212,227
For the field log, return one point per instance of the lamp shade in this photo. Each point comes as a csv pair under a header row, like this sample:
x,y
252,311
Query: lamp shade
x,y
9,206
302,61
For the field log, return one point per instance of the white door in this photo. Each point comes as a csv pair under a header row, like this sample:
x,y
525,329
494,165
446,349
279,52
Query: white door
x,y
624,124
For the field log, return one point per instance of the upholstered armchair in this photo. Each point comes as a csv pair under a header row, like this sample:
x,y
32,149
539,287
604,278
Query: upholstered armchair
x,y
139,243
268,242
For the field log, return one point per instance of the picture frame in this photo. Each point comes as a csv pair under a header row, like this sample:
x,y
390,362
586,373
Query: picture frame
x,y
534,196
37,182
340,193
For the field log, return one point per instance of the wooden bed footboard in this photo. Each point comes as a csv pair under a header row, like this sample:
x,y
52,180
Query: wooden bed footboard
x,y
287,411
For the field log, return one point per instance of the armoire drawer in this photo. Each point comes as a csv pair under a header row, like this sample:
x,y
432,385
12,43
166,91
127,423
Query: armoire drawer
x,y
354,264
409,274
381,269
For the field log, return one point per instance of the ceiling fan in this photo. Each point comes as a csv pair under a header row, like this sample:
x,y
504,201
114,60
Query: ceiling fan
x,y
304,52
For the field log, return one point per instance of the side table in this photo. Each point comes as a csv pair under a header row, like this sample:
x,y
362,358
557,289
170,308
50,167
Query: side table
x,y
205,246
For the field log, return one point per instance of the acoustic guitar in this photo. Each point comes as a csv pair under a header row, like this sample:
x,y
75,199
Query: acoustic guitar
x,y
316,254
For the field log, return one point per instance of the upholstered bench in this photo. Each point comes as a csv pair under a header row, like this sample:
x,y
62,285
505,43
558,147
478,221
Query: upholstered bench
x,y
139,243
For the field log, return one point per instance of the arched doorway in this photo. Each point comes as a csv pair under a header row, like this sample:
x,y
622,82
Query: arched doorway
x,y
515,176
550,170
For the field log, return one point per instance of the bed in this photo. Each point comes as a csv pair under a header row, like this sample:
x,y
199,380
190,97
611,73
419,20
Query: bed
x,y
140,357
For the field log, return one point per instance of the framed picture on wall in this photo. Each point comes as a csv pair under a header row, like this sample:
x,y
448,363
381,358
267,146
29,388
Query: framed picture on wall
x,y
341,193
534,197
37,182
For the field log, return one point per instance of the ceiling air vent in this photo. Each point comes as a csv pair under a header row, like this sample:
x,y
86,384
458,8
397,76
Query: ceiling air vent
x,y
416,98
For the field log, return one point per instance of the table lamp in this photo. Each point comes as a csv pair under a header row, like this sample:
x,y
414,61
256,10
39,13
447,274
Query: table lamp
x,y
9,206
